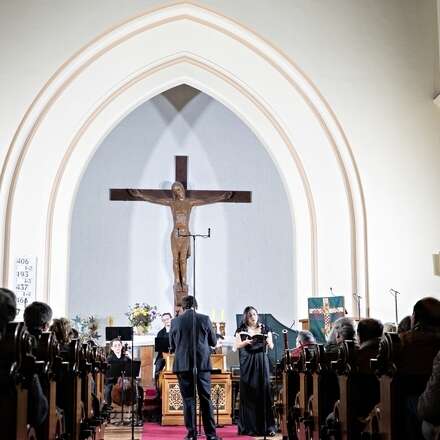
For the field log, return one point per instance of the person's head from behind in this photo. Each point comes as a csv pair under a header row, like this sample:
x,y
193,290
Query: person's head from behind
x,y
305,337
62,329
250,316
426,314
166,319
189,302
343,330
368,329
37,316
8,309
404,325
116,347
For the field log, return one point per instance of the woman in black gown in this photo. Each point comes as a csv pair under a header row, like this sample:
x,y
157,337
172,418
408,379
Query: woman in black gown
x,y
254,376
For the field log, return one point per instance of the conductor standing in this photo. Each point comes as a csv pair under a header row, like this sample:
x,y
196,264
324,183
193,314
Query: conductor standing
x,y
181,343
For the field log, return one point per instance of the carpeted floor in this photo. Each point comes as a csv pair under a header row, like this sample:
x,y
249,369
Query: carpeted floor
x,y
158,432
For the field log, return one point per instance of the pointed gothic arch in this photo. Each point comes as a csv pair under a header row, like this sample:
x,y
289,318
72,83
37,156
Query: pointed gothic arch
x,y
126,66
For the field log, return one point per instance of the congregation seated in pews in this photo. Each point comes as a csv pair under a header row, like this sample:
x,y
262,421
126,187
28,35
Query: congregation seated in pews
x,y
52,385
363,384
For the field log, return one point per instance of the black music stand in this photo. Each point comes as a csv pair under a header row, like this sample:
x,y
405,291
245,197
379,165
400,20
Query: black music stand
x,y
125,334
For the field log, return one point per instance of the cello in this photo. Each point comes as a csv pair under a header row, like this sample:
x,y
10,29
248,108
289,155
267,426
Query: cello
x,y
124,393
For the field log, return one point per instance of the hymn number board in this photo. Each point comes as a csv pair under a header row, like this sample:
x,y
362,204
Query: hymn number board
x,y
25,282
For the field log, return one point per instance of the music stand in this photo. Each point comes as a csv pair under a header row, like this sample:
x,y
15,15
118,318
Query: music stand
x,y
124,334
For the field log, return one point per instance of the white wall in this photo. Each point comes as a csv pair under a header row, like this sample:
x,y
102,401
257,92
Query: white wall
x,y
374,61
120,251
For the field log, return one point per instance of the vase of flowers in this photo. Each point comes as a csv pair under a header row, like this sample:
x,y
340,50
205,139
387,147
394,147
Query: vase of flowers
x,y
87,328
141,316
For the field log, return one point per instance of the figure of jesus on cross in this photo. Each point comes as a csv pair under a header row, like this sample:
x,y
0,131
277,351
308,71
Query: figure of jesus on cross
x,y
181,201
181,207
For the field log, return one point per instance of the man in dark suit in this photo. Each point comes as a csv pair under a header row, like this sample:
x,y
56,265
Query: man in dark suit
x,y
181,343
162,343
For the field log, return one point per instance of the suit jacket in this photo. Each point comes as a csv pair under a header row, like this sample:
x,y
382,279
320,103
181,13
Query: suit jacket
x,y
161,334
181,342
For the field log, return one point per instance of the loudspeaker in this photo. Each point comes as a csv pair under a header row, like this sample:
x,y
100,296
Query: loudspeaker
x,y
436,263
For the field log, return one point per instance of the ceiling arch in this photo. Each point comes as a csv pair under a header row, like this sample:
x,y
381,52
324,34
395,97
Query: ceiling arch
x,y
184,43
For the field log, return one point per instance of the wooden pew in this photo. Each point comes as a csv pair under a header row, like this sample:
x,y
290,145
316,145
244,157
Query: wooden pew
x,y
99,369
70,390
92,421
86,362
345,424
302,408
289,390
48,360
325,390
17,365
403,368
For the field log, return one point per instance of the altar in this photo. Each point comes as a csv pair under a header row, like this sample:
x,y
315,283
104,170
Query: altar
x,y
144,351
221,392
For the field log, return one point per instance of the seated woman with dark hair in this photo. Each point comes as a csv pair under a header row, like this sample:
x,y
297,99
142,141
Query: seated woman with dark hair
x,y
62,330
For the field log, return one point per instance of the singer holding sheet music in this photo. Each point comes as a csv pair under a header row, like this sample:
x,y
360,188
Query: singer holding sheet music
x,y
252,339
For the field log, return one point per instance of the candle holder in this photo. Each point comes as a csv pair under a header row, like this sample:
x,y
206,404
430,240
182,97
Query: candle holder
x,y
214,327
222,326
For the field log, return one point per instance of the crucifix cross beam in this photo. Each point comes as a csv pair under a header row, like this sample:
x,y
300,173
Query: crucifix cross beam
x,y
181,201
181,175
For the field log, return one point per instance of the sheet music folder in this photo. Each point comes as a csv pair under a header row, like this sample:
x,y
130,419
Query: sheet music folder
x,y
123,333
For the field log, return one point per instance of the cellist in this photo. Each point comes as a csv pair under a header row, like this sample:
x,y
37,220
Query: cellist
x,y
116,356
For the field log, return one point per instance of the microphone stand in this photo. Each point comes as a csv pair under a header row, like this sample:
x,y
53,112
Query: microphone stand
x,y
395,293
132,385
194,339
275,369
265,379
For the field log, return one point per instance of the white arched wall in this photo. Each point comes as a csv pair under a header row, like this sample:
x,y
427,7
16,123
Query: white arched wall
x,y
128,65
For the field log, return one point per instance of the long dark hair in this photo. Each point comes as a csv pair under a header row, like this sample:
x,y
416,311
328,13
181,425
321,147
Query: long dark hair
x,y
62,329
244,320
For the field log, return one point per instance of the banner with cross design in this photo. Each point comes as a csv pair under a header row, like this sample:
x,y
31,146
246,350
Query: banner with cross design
x,y
323,311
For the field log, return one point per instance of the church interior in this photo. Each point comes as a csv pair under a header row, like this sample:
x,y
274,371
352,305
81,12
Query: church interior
x,y
275,162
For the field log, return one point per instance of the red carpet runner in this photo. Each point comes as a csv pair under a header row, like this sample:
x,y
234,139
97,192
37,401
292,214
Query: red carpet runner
x,y
157,432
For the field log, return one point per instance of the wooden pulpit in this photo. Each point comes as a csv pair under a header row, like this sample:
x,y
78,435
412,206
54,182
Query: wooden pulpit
x,y
221,392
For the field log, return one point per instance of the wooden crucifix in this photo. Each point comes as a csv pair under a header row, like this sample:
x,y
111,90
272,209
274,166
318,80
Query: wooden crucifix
x,y
181,202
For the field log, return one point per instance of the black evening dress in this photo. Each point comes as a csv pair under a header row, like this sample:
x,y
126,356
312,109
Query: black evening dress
x,y
255,390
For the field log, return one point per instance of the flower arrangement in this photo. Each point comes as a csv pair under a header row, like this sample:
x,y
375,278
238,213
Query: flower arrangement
x,y
87,328
141,315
